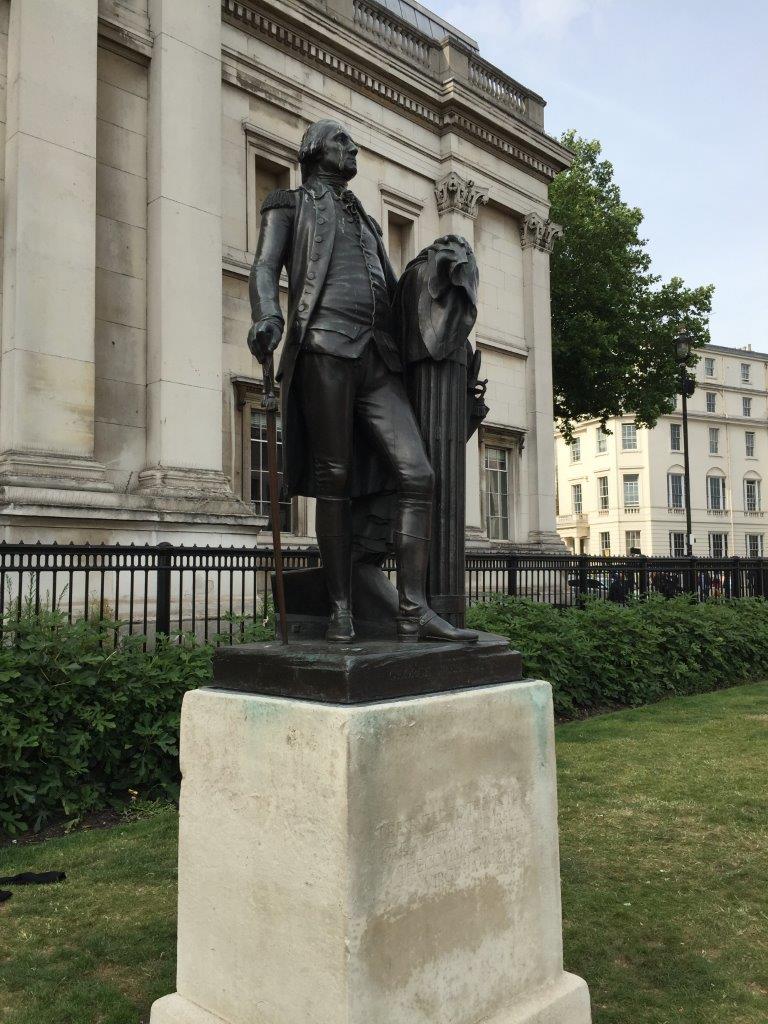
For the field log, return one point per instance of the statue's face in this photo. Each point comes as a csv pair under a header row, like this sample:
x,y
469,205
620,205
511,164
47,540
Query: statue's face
x,y
339,154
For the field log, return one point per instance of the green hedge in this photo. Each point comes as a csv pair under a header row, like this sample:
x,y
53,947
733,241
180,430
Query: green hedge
x,y
607,656
85,720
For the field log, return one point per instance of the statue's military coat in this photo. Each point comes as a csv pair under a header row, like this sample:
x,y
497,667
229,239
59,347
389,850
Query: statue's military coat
x,y
298,229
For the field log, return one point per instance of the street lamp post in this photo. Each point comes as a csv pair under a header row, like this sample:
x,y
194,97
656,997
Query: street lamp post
x,y
683,345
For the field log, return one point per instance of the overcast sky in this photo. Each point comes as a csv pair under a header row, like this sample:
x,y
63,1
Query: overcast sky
x,y
677,93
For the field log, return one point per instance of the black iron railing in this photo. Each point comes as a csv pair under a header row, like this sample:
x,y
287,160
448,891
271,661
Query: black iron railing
x,y
209,590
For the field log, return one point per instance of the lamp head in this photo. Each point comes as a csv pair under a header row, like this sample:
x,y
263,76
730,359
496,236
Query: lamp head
x,y
683,346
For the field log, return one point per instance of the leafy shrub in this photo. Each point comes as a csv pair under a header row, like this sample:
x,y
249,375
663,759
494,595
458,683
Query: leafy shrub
x,y
608,656
85,719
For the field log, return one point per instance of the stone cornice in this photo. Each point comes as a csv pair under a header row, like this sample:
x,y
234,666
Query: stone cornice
x,y
457,194
409,88
127,40
538,232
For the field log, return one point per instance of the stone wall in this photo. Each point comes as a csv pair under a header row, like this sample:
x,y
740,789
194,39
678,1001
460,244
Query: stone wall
x,y
144,402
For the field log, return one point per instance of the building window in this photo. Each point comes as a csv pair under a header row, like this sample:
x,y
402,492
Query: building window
x,y
602,441
746,406
711,401
602,492
745,373
605,542
497,492
259,491
576,503
751,495
716,493
632,539
709,367
628,437
576,449
264,176
749,443
714,441
675,490
718,545
631,490
677,544
400,232
675,437
754,545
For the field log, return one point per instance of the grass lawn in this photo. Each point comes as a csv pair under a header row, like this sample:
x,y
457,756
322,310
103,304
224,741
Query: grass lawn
x,y
664,818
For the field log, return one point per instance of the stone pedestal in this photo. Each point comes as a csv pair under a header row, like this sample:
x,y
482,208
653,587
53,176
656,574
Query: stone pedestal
x,y
382,863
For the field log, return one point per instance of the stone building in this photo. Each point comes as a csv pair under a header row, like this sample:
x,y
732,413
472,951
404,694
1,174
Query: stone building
x,y
624,490
140,137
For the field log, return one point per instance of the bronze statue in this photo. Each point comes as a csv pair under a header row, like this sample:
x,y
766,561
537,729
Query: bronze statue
x,y
349,431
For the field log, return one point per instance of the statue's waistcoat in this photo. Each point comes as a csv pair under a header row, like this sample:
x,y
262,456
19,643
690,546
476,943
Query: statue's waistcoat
x,y
299,232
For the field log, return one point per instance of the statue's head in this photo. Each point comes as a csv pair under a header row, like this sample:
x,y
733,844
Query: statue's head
x,y
327,146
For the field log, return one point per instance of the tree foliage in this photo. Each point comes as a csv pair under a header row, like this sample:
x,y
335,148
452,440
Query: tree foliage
x,y
614,322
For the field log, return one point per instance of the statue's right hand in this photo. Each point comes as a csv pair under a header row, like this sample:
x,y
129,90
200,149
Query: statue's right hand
x,y
264,337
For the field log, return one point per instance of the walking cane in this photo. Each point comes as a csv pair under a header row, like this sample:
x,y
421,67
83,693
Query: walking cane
x,y
269,405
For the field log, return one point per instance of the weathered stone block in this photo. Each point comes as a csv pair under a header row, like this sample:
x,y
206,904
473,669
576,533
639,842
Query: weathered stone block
x,y
389,863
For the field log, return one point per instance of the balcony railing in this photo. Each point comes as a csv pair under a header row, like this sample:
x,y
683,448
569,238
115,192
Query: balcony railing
x,y
499,87
573,519
435,48
389,30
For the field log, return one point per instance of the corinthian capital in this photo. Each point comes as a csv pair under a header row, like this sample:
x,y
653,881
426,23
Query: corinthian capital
x,y
455,193
534,230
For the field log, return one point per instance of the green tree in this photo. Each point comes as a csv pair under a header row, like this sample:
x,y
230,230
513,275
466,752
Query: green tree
x,y
613,320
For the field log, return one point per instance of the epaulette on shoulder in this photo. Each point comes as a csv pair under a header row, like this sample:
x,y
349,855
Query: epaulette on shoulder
x,y
280,199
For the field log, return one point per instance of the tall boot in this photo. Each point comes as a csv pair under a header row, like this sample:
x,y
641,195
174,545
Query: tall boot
x,y
333,520
417,621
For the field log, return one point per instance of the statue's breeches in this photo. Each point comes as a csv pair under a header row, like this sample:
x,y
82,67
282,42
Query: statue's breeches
x,y
340,398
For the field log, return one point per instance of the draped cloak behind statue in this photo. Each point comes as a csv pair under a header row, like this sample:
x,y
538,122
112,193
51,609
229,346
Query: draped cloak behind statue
x,y
435,310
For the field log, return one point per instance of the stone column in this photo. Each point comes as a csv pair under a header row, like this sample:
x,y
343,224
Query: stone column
x,y
184,341
458,204
49,250
537,238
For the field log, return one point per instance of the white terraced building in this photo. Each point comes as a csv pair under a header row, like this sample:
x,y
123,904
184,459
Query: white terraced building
x,y
140,137
624,491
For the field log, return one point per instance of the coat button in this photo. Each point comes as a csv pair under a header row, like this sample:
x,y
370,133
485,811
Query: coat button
x,y
302,306
321,220
311,275
318,238
315,256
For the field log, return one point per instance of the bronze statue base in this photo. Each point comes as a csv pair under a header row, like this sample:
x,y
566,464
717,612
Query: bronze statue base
x,y
361,672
